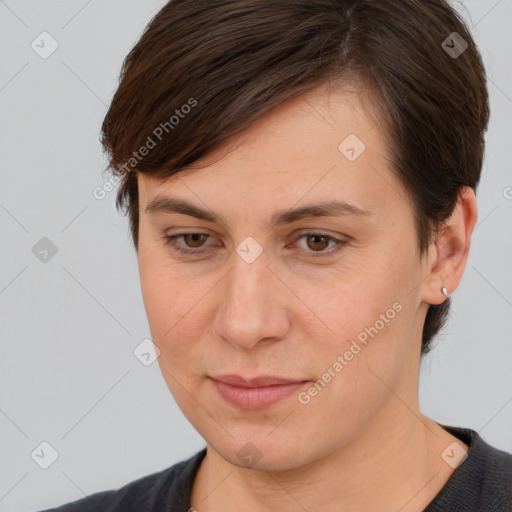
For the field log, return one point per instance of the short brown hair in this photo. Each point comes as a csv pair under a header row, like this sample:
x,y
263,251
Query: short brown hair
x,y
239,59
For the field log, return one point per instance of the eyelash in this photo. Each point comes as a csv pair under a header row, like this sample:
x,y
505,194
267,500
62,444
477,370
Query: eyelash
x,y
169,241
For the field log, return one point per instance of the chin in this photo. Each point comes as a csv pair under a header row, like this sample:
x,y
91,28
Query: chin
x,y
263,452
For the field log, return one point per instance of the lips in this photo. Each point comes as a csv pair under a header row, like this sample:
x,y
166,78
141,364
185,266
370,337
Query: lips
x,y
256,382
256,393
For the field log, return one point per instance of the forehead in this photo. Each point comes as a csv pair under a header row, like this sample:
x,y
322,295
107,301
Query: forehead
x,y
326,142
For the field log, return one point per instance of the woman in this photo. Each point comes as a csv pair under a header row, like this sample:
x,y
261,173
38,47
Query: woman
x,y
300,179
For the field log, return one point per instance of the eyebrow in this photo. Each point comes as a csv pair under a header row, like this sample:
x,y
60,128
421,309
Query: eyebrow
x,y
326,209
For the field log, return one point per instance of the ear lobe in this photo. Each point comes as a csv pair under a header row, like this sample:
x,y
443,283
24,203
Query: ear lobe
x,y
450,250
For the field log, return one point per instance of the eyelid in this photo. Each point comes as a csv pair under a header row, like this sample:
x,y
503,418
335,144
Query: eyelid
x,y
321,232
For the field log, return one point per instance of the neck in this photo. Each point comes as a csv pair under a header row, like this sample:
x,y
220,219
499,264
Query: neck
x,y
392,465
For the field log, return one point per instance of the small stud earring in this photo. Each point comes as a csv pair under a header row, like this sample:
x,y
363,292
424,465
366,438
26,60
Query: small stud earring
x,y
444,292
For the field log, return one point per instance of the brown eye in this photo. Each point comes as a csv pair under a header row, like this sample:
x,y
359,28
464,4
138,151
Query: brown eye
x,y
192,243
194,239
318,242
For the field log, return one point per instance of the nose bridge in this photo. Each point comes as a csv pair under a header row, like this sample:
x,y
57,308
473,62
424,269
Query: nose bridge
x,y
249,307
249,274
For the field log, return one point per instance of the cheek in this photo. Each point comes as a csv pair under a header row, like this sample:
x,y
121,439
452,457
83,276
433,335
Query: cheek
x,y
162,291
175,299
156,292
169,302
369,316
350,302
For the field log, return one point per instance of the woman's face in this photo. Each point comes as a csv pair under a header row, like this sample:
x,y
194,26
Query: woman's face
x,y
330,304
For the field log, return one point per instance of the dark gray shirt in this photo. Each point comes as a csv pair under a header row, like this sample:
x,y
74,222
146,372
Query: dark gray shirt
x,y
481,483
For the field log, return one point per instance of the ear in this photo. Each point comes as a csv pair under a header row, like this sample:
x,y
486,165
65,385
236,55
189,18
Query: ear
x,y
448,254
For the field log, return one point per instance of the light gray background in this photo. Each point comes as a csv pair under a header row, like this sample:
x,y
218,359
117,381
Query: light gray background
x,y
69,326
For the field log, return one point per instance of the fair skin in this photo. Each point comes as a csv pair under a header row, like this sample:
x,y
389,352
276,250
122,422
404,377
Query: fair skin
x,y
361,443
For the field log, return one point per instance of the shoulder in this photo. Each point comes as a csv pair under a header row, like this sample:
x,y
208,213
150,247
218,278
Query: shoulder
x,y
495,477
481,482
152,493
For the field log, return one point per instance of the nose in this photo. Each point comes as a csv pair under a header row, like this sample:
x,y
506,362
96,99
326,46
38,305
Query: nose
x,y
252,305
